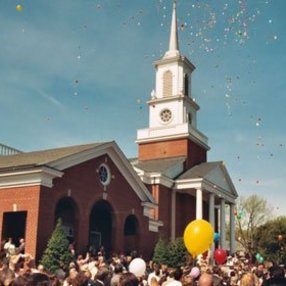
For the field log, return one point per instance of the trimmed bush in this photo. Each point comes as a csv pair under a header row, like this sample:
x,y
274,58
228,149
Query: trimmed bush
x,y
173,254
57,254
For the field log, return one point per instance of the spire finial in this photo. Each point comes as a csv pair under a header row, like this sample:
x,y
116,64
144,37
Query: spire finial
x,y
173,44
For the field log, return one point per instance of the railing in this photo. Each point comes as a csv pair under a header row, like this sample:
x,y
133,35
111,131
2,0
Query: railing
x,y
7,150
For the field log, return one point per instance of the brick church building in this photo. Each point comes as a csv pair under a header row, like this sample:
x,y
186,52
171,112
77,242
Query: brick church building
x,y
106,199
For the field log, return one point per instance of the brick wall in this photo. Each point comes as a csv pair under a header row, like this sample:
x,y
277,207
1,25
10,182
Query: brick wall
x,y
164,202
81,184
186,212
196,154
173,148
22,199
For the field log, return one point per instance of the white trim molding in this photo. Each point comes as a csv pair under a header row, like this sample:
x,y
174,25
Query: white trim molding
x,y
154,225
30,177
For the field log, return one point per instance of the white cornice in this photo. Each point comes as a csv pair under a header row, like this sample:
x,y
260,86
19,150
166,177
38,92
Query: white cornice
x,y
188,184
156,178
178,58
178,97
154,225
201,183
37,176
147,207
149,135
220,192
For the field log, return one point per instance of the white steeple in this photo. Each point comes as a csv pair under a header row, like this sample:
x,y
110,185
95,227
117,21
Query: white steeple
x,y
172,110
173,44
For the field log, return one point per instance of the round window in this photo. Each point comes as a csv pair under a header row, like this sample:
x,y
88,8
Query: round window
x,y
104,174
166,115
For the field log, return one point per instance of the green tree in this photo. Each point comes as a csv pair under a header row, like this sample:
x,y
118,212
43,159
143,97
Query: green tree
x,y
252,212
271,240
173,253
161,252
177,253
57,254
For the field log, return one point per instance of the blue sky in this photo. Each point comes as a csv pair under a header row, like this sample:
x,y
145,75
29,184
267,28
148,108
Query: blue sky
x,y
75,72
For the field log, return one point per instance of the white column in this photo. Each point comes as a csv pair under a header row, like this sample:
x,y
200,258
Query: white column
x,y
212,210
232,229
222,223
212,222
173,215
199,204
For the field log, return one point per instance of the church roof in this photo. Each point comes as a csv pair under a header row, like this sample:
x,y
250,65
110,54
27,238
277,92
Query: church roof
x,y
42,157
213,175
200,171
157,165
48,164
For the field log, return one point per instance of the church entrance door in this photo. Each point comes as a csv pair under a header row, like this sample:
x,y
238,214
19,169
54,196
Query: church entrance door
x,y
100,227
14,226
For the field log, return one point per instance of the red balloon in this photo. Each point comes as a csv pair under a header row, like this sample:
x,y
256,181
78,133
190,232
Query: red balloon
x,y
220,256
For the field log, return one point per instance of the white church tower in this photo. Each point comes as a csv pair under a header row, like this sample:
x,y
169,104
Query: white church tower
x,y
172,130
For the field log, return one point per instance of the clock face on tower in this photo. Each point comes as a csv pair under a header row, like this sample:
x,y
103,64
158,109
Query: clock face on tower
x,y
166,115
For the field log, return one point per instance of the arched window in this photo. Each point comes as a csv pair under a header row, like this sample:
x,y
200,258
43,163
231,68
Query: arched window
x,y
67,210
167,84
100,226
130,225
186,84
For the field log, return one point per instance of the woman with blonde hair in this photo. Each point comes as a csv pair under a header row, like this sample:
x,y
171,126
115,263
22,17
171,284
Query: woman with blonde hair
x,y
249,279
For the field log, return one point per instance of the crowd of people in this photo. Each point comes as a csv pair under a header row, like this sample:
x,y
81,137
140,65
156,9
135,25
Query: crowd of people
x,y
18,268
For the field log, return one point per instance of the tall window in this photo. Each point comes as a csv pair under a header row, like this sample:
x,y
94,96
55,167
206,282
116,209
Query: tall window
x,y
131,225
167,84
186,84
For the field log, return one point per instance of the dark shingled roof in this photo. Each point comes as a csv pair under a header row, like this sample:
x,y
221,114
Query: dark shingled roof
x,y
158,165
199,171
43,157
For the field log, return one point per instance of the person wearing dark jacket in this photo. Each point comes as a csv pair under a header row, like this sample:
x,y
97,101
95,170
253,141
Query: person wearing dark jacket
x,y
277,277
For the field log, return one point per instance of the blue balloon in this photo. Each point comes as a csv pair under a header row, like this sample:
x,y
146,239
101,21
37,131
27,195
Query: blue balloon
x,y
216,237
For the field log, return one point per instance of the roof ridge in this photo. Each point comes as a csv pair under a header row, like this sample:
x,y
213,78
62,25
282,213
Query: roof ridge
x,y
66,147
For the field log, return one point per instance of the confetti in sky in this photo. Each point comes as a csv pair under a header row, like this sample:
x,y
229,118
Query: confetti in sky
x,y
75,72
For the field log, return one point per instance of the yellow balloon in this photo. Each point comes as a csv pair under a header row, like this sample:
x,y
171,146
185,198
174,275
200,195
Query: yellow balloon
x,y
19,7
198,236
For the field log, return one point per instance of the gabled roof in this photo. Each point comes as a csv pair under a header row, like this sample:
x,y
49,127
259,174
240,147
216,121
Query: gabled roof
x,y
157,165
167,169
199,171
213,175
42,157
60,159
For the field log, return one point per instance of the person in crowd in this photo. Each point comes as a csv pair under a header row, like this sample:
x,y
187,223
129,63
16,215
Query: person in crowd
x,y
205,279
117,272
249,279
173,278
72,275
21,248
156,273
128,279
276,277
7,276
187,280
102,277
81,261
9,247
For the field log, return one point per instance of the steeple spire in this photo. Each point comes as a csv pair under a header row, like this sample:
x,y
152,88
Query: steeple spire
x,y
173,43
